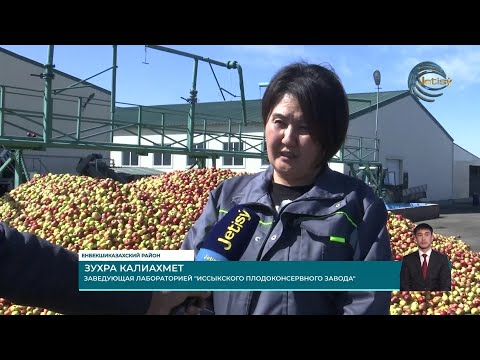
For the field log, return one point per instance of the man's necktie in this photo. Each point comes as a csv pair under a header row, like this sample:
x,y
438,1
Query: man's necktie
x,y
424,267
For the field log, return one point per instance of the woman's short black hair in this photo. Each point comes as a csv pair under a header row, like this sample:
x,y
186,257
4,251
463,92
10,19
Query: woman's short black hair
x,y
322,99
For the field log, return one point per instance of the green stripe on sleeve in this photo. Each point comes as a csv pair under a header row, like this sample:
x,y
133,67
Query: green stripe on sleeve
x,y
337,239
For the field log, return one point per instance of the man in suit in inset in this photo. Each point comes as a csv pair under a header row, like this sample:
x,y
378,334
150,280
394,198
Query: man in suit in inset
x,y
425,269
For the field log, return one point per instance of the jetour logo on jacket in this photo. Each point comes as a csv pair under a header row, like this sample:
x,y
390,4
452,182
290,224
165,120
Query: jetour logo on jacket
x,y
426,79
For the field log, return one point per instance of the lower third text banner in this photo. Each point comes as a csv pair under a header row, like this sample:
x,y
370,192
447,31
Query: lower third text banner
x,y
179,273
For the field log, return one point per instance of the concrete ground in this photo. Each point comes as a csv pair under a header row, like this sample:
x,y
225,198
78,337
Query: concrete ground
x,y
461,220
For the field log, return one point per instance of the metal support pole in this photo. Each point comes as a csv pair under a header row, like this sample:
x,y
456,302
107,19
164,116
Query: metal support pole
x,y
376,128
139,125
162,126
114,92
18,168
47,101
79,118
235,65
193,101
5,165
2,104
377,77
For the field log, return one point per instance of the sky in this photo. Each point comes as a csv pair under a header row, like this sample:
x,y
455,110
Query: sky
x,y
155,77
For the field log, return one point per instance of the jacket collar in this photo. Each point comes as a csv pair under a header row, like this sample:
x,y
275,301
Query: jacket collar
x,y
327,185
256,190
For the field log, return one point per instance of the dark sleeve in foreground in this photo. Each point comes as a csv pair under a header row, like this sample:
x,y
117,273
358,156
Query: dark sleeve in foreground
x,y
405,276
35,272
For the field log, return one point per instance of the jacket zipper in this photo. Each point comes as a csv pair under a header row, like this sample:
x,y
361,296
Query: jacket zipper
x,y
277,218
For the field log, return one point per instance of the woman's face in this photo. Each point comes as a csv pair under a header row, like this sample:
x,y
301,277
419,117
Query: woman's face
x,y
293,153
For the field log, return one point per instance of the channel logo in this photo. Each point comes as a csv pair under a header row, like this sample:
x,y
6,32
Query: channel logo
x,y
426,80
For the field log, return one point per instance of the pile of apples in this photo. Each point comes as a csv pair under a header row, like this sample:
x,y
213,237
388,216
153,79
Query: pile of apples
x,y
84,213
155,213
